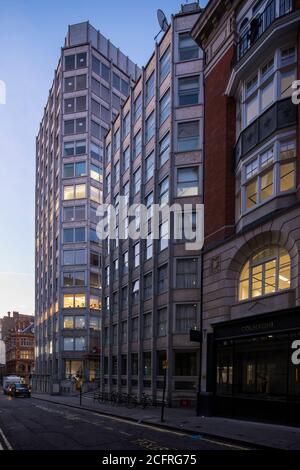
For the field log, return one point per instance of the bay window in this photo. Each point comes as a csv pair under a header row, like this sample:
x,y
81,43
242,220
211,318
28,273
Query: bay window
x,y
269,173
270,83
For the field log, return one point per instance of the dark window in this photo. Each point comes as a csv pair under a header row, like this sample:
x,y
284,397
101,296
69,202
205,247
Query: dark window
x,y
96,65
186,273
80,82
81,60
148,286
188,91
69,84
70,62
185,364
162,278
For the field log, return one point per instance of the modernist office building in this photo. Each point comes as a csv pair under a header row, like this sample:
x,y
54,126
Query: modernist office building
x,y
251,293
151,288
92,80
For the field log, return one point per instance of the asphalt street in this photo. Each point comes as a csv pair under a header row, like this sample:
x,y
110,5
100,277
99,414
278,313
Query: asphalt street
x,y
31,424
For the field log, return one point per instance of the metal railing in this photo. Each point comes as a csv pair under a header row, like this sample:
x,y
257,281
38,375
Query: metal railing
x,y
259,24
128,400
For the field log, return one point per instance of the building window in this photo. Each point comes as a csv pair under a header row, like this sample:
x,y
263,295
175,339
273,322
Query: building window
x,y
135,292
80,343
126,125
68,344
74,235
266,272
147,366
148,286
116,141
96,151
185,317
74,301
136,254
95,302
76,170
75,192
149,166
187,273
95,172
137,144
188,90
185,364
149,247
147,326
124,297
74,257
96,194
165,65
164,107
188,136
95,280
150,127
270,83
68,322
125,262
164,235
126,159
164,149
269,173
137,181
150,88
162,279
137,108
74,213
124,332
162,322
134,364
135,329
69,62
188,181
188,49
164,191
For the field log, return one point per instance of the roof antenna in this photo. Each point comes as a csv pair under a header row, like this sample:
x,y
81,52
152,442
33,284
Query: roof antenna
x,y
163,23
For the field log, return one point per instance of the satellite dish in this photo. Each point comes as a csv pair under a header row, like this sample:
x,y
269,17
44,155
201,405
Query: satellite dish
x,y
162,20
163,23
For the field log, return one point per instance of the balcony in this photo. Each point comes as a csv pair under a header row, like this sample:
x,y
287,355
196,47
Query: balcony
x,y
280,115
260,24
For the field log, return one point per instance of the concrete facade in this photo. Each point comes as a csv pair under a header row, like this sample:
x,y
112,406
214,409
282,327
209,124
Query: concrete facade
x,y
143,296
92,80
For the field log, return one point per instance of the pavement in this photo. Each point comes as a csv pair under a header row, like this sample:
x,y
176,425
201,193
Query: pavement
x,y
233,431
41,424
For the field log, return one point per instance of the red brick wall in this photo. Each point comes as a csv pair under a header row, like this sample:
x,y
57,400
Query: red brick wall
x,y
219,143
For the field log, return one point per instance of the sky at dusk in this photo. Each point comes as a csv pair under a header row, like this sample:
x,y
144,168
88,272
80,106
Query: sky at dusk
x,y
31,35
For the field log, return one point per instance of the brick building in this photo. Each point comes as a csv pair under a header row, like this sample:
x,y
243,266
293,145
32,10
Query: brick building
x,y
18,337
251,283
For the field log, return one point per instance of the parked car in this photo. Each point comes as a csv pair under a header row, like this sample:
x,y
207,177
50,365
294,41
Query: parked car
x,y
10,380
19,390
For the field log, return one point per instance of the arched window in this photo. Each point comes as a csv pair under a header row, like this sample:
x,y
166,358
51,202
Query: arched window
x,y
266,272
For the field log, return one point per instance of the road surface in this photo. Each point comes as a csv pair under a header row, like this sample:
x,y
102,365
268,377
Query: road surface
x,y
31,424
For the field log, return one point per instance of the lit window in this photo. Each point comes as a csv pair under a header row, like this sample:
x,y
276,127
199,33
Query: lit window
x,y
95,302
267,272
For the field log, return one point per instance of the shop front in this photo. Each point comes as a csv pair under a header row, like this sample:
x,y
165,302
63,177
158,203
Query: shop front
x,y
257,370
